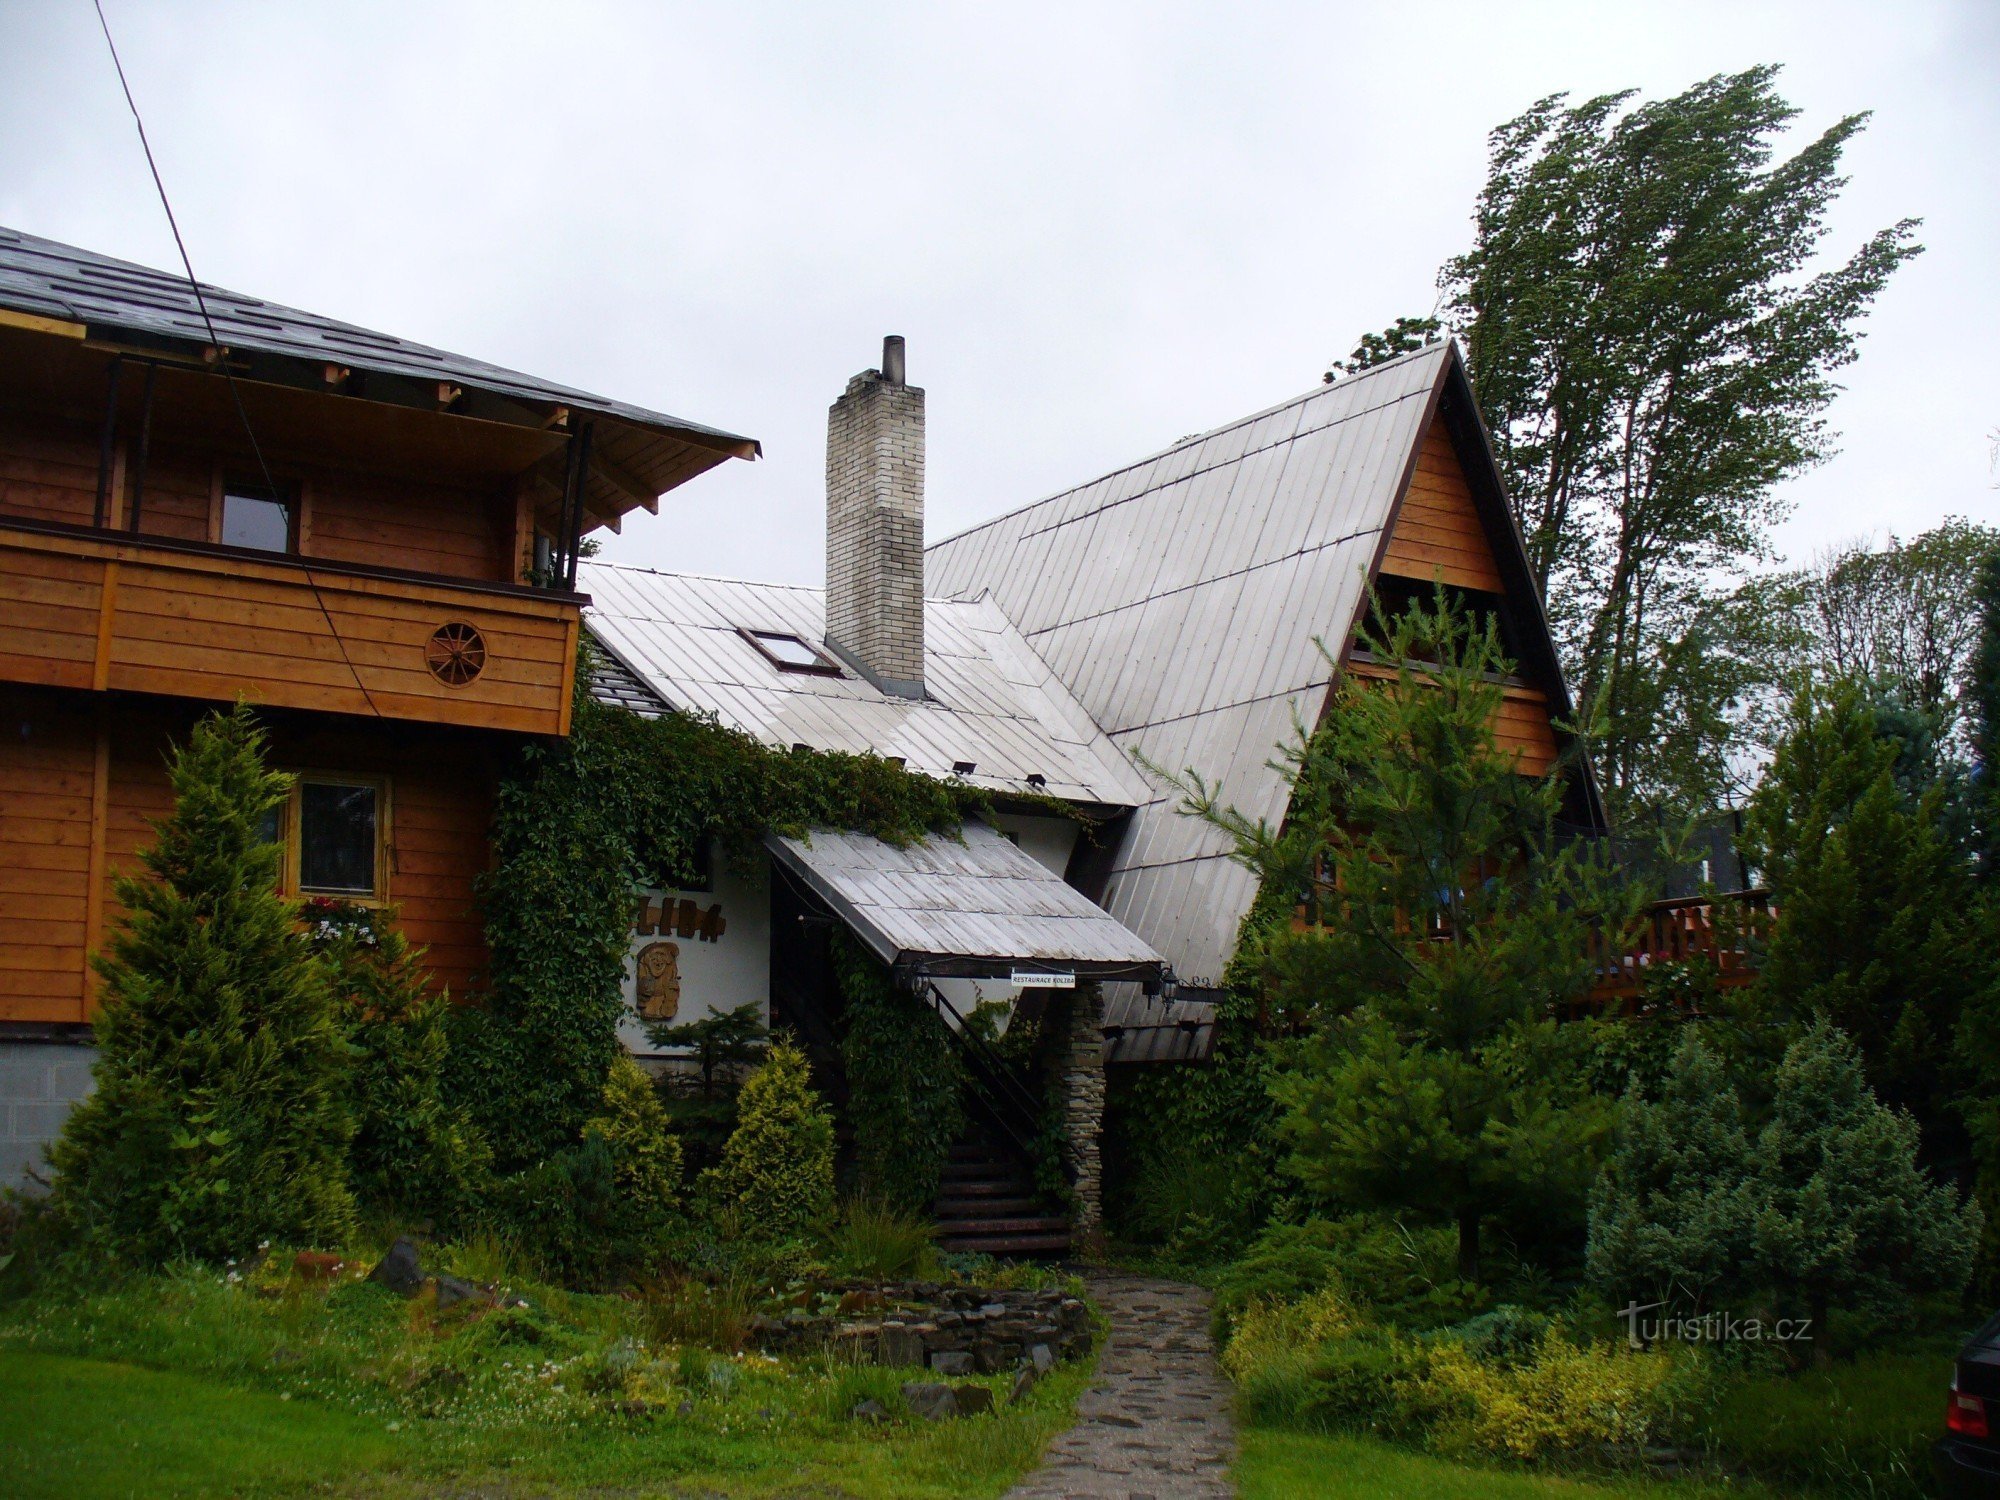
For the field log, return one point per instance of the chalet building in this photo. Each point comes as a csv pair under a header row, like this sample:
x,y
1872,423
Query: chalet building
x,y
374,541
392,572
1172,610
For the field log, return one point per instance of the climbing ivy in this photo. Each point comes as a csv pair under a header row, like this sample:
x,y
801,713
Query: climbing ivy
x,y
904,1080
628,800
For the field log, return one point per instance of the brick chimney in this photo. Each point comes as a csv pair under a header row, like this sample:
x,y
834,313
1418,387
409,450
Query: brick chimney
x,y
875,526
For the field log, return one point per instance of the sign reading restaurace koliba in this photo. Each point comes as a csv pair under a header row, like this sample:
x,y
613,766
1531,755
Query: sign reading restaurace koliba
x,y
695,954
1035,979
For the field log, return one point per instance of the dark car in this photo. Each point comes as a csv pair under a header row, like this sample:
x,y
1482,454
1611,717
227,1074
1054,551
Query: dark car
x,y
1967,1457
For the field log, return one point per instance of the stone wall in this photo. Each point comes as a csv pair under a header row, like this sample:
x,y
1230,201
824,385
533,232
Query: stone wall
x,y
39,1081
956,1330
1083,1114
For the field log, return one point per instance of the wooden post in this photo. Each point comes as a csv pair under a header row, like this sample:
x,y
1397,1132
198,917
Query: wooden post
x,y
93,912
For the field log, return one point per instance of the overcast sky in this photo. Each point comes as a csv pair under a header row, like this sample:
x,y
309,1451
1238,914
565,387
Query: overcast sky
x,y
1100,227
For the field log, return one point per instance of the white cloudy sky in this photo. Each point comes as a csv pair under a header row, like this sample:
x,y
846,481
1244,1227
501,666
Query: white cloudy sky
x,y
1100,226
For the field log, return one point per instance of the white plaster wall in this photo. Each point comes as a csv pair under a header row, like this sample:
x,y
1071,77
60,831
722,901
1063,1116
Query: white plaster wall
x,y
716,974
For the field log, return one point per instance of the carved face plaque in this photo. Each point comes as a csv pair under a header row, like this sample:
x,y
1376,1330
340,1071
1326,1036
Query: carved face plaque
x,y
660,981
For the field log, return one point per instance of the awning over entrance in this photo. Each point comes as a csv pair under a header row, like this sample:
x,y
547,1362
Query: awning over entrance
x,y
980,908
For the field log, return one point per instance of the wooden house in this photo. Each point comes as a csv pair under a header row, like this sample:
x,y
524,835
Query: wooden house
x,y
210,497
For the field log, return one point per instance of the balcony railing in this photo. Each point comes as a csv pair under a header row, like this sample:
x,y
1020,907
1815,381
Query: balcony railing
x,y
91,609
1720,939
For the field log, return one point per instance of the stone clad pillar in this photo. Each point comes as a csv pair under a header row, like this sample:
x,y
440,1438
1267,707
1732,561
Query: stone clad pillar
x,y
1082,1084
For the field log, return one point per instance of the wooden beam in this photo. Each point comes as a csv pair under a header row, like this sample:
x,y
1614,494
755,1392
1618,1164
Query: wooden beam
x,y
625,481
107,611
62,328
93,912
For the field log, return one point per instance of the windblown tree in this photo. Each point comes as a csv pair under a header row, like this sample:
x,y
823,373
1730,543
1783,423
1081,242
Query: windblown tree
x,y
1654,354
1443,932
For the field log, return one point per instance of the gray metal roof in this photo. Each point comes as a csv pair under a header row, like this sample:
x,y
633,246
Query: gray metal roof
x,y
992,701
1141,1029
1180,598
982,900
115,297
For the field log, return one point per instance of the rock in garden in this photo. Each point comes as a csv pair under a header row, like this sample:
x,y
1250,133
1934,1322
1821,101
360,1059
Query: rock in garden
x,y
972,1399
951,1362
399,1270
1024,1382
1042,1358
930,1399
897,1345
870,1410
452,1291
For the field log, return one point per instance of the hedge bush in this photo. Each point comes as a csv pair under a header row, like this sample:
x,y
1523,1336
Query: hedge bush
x,y
776,1175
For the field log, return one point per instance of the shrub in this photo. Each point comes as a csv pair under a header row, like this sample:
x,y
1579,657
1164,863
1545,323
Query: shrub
x,y
646,1157
879,1243
416,1152
220,1115
1270,1333
1403,1275
1567,1398
776,1175
1673,1210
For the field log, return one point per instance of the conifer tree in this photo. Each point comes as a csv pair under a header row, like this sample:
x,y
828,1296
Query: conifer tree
x,y
1672,1214
416,1152
220,1114
1848,1218
1878,930
1444,930
777,1169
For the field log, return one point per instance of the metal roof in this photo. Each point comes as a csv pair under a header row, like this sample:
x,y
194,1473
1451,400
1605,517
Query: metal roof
x,y
1141,1029
117,301
1180,598
991,700
946,906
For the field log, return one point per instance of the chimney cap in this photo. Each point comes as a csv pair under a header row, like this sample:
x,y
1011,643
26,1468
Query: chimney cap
x,y
892,360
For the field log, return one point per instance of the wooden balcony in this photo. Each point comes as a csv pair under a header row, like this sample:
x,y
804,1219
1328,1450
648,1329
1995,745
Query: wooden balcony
x,y
1725,935
104,610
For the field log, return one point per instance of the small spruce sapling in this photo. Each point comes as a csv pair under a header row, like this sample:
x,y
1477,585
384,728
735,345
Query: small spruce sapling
x,y
776,1173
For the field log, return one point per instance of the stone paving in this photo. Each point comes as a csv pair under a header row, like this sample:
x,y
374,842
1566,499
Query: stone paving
x,y
1154,1424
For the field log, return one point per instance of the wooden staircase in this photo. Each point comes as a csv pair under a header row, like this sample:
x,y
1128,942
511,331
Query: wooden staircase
x,y
988,1202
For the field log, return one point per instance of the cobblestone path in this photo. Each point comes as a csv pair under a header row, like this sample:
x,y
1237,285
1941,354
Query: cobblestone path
x,y
1154,1424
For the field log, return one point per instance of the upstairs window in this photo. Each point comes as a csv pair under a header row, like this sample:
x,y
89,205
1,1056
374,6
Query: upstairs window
x,y
788,652
259,517
334,832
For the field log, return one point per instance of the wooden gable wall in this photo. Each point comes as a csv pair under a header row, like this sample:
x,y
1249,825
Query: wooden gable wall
x,y
1438,534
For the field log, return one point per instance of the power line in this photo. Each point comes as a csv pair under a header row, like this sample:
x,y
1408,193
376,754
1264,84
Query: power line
x,y
215,342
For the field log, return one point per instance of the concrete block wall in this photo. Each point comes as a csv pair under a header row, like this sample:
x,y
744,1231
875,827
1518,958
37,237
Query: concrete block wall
x,y
39,1081
875,529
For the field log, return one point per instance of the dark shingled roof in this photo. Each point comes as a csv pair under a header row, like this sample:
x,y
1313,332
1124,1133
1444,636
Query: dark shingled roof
x,y
137,306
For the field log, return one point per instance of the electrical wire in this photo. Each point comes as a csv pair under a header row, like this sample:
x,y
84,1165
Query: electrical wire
x,y
215,342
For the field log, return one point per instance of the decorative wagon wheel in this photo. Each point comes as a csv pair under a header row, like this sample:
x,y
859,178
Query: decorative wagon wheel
x,y
455,653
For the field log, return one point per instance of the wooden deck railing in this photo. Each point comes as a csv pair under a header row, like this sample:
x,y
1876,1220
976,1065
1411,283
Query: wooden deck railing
x,y
1725,933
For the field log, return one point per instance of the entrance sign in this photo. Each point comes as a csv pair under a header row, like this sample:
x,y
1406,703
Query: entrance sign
x,y
1029,979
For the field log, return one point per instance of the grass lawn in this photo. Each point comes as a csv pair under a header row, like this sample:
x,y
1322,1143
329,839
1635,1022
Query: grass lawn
x,y
1302,1466
189,1385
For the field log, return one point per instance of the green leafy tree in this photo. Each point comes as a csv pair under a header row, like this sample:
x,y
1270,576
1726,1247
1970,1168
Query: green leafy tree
x,y
1672,1215
1849,1218
776,1174
904,1081
220,1114
416,1153
1444,930
1653,356
1879,929
1983,701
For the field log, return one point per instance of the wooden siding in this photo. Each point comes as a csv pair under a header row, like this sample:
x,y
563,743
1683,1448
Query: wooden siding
x,y
97,612
48,472
1522,728
1438,531
82,781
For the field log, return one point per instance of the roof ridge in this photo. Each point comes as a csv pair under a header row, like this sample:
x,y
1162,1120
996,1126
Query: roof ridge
x,y
1192,439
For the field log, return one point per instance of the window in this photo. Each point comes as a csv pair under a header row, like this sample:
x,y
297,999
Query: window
x,y
254,515
338,837
788,652
335,833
